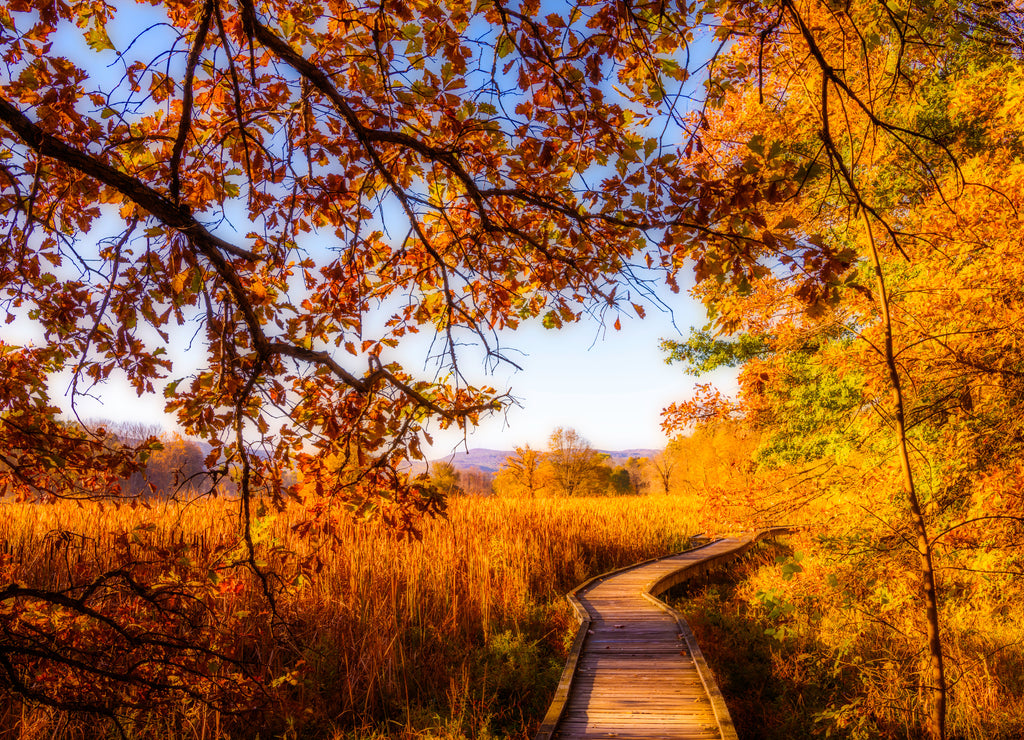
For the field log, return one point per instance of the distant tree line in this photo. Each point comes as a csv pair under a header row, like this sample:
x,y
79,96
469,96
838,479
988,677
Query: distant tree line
x,y
712,461
569,467
175,466
713,457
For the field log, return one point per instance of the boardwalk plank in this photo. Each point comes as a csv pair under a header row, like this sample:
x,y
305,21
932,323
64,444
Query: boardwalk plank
x,y
635,677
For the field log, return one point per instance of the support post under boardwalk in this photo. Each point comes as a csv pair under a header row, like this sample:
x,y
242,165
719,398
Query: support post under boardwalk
x,y
636,671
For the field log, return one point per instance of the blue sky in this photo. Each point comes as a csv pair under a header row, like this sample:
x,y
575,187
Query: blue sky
x,y
608,385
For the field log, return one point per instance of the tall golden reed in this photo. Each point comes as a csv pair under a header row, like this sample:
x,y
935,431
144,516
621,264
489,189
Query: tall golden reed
x,y
456,634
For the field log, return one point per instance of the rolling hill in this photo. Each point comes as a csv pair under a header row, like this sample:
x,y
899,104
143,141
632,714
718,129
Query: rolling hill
x,y
490,460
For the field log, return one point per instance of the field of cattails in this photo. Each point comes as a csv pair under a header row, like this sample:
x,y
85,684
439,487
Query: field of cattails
x,y
347,631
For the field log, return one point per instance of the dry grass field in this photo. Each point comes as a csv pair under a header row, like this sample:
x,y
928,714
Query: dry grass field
x,y
457,634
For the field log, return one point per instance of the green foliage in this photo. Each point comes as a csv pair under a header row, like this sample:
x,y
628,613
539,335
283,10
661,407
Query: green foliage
x,y
811,411
445,478
513,665
702,352
619,481
791,565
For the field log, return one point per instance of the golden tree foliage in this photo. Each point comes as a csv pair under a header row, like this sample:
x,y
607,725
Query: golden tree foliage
x,y
522,474
574,467
888,386
569,467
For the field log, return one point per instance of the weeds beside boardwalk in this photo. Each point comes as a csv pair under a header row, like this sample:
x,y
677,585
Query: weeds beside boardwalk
x,y
796,657
459,634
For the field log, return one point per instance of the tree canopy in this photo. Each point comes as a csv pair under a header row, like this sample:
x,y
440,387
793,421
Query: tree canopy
x,y
302,187
875,391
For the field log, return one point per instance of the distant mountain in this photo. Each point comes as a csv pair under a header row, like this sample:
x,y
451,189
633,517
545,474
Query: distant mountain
x,y
490,460
483,459
620,456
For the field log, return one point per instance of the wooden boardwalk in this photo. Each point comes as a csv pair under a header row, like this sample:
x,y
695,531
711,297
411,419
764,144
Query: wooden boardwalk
x,y
635,671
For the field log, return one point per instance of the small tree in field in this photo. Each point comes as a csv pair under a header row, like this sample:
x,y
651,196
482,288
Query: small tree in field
x,y
659,470
522,473
619,482
446,479
635,470
574,466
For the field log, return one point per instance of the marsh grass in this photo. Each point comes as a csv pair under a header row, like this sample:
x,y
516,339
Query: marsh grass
x,y
460,633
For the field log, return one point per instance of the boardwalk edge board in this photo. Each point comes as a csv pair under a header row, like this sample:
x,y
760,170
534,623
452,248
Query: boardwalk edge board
x,y
650,592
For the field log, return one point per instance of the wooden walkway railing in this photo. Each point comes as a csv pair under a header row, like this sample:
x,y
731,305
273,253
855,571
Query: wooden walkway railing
x,y
635,670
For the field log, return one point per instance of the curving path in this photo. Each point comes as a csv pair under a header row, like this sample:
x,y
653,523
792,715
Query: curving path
x,y
635,670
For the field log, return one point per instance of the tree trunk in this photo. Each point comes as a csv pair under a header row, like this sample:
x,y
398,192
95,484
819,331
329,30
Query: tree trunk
x,y
936,678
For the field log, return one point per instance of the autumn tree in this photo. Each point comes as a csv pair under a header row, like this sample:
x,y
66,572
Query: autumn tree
x,y
446,478
522,473
619,482
634,468
176,467
863,364
250,207
575,467
659,470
